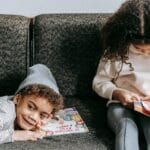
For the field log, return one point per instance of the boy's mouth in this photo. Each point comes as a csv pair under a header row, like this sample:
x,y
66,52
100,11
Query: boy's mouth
x,y
27,122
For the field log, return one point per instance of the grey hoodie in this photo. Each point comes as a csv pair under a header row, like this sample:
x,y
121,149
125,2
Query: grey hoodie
x,y
37,74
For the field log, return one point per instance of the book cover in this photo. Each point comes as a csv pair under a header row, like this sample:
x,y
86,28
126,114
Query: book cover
x,y
142,107
66,121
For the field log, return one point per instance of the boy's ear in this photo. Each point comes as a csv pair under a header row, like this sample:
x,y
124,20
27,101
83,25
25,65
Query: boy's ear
x,y
16,99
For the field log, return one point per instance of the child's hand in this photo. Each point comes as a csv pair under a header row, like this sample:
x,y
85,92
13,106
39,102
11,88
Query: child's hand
x,y
146,104
146,98
126,97
24,135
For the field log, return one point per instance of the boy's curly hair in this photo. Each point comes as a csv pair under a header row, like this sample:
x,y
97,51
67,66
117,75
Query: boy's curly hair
x,y
130,24
40,90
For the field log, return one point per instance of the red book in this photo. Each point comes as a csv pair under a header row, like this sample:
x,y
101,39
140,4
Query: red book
x,y
142,107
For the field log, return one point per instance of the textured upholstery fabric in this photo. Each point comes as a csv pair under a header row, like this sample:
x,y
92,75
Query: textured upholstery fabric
x,y
14,51
70,46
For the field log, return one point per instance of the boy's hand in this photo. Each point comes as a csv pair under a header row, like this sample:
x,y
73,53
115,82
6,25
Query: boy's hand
x,y
24,135
126,97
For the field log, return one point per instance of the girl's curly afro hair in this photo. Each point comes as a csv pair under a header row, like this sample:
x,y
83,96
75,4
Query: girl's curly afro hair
x,y
130,24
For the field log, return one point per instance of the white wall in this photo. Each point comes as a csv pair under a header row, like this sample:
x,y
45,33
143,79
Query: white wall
x,y
35,7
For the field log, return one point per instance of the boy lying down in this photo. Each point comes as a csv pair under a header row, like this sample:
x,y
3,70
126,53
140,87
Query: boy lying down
x,y
33,105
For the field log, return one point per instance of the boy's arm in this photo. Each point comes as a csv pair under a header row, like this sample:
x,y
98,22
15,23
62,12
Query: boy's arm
x,y
6,125
24,135
6,136
7,117
102,83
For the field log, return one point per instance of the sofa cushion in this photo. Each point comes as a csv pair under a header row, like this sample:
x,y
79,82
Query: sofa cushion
x,y
69,44
14,51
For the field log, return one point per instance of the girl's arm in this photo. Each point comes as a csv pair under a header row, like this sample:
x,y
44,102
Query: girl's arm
x,y
102,83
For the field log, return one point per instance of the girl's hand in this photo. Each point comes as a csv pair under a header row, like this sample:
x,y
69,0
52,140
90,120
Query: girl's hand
x,y
126,97
146,104
146,98
24,135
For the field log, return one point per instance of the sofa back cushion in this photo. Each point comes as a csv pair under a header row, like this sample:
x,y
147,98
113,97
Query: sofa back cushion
x,y
69,44
14,51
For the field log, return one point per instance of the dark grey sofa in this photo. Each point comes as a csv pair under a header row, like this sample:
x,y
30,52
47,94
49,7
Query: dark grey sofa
x,y
70,45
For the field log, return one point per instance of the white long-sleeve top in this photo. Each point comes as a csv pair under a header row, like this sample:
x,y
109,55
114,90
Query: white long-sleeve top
x,y
7,117
137,81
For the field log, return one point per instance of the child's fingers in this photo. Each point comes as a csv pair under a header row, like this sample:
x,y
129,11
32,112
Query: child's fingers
x,y
49,133
136,97
37,137
41,133
147,98
130,99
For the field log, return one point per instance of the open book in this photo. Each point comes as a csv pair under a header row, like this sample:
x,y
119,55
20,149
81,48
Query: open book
x,y
142,107
66,121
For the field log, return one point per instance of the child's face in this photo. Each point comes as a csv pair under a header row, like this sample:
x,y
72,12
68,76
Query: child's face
x,y
144,48
32,112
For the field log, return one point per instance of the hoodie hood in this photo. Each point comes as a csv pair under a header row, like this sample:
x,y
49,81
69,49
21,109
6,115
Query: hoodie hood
x,y
39,74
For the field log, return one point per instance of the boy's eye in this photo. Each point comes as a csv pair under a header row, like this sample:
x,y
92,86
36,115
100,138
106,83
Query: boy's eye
x,y
44,116
30,107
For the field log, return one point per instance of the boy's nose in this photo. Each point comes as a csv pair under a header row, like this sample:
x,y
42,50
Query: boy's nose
x,y
35,117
